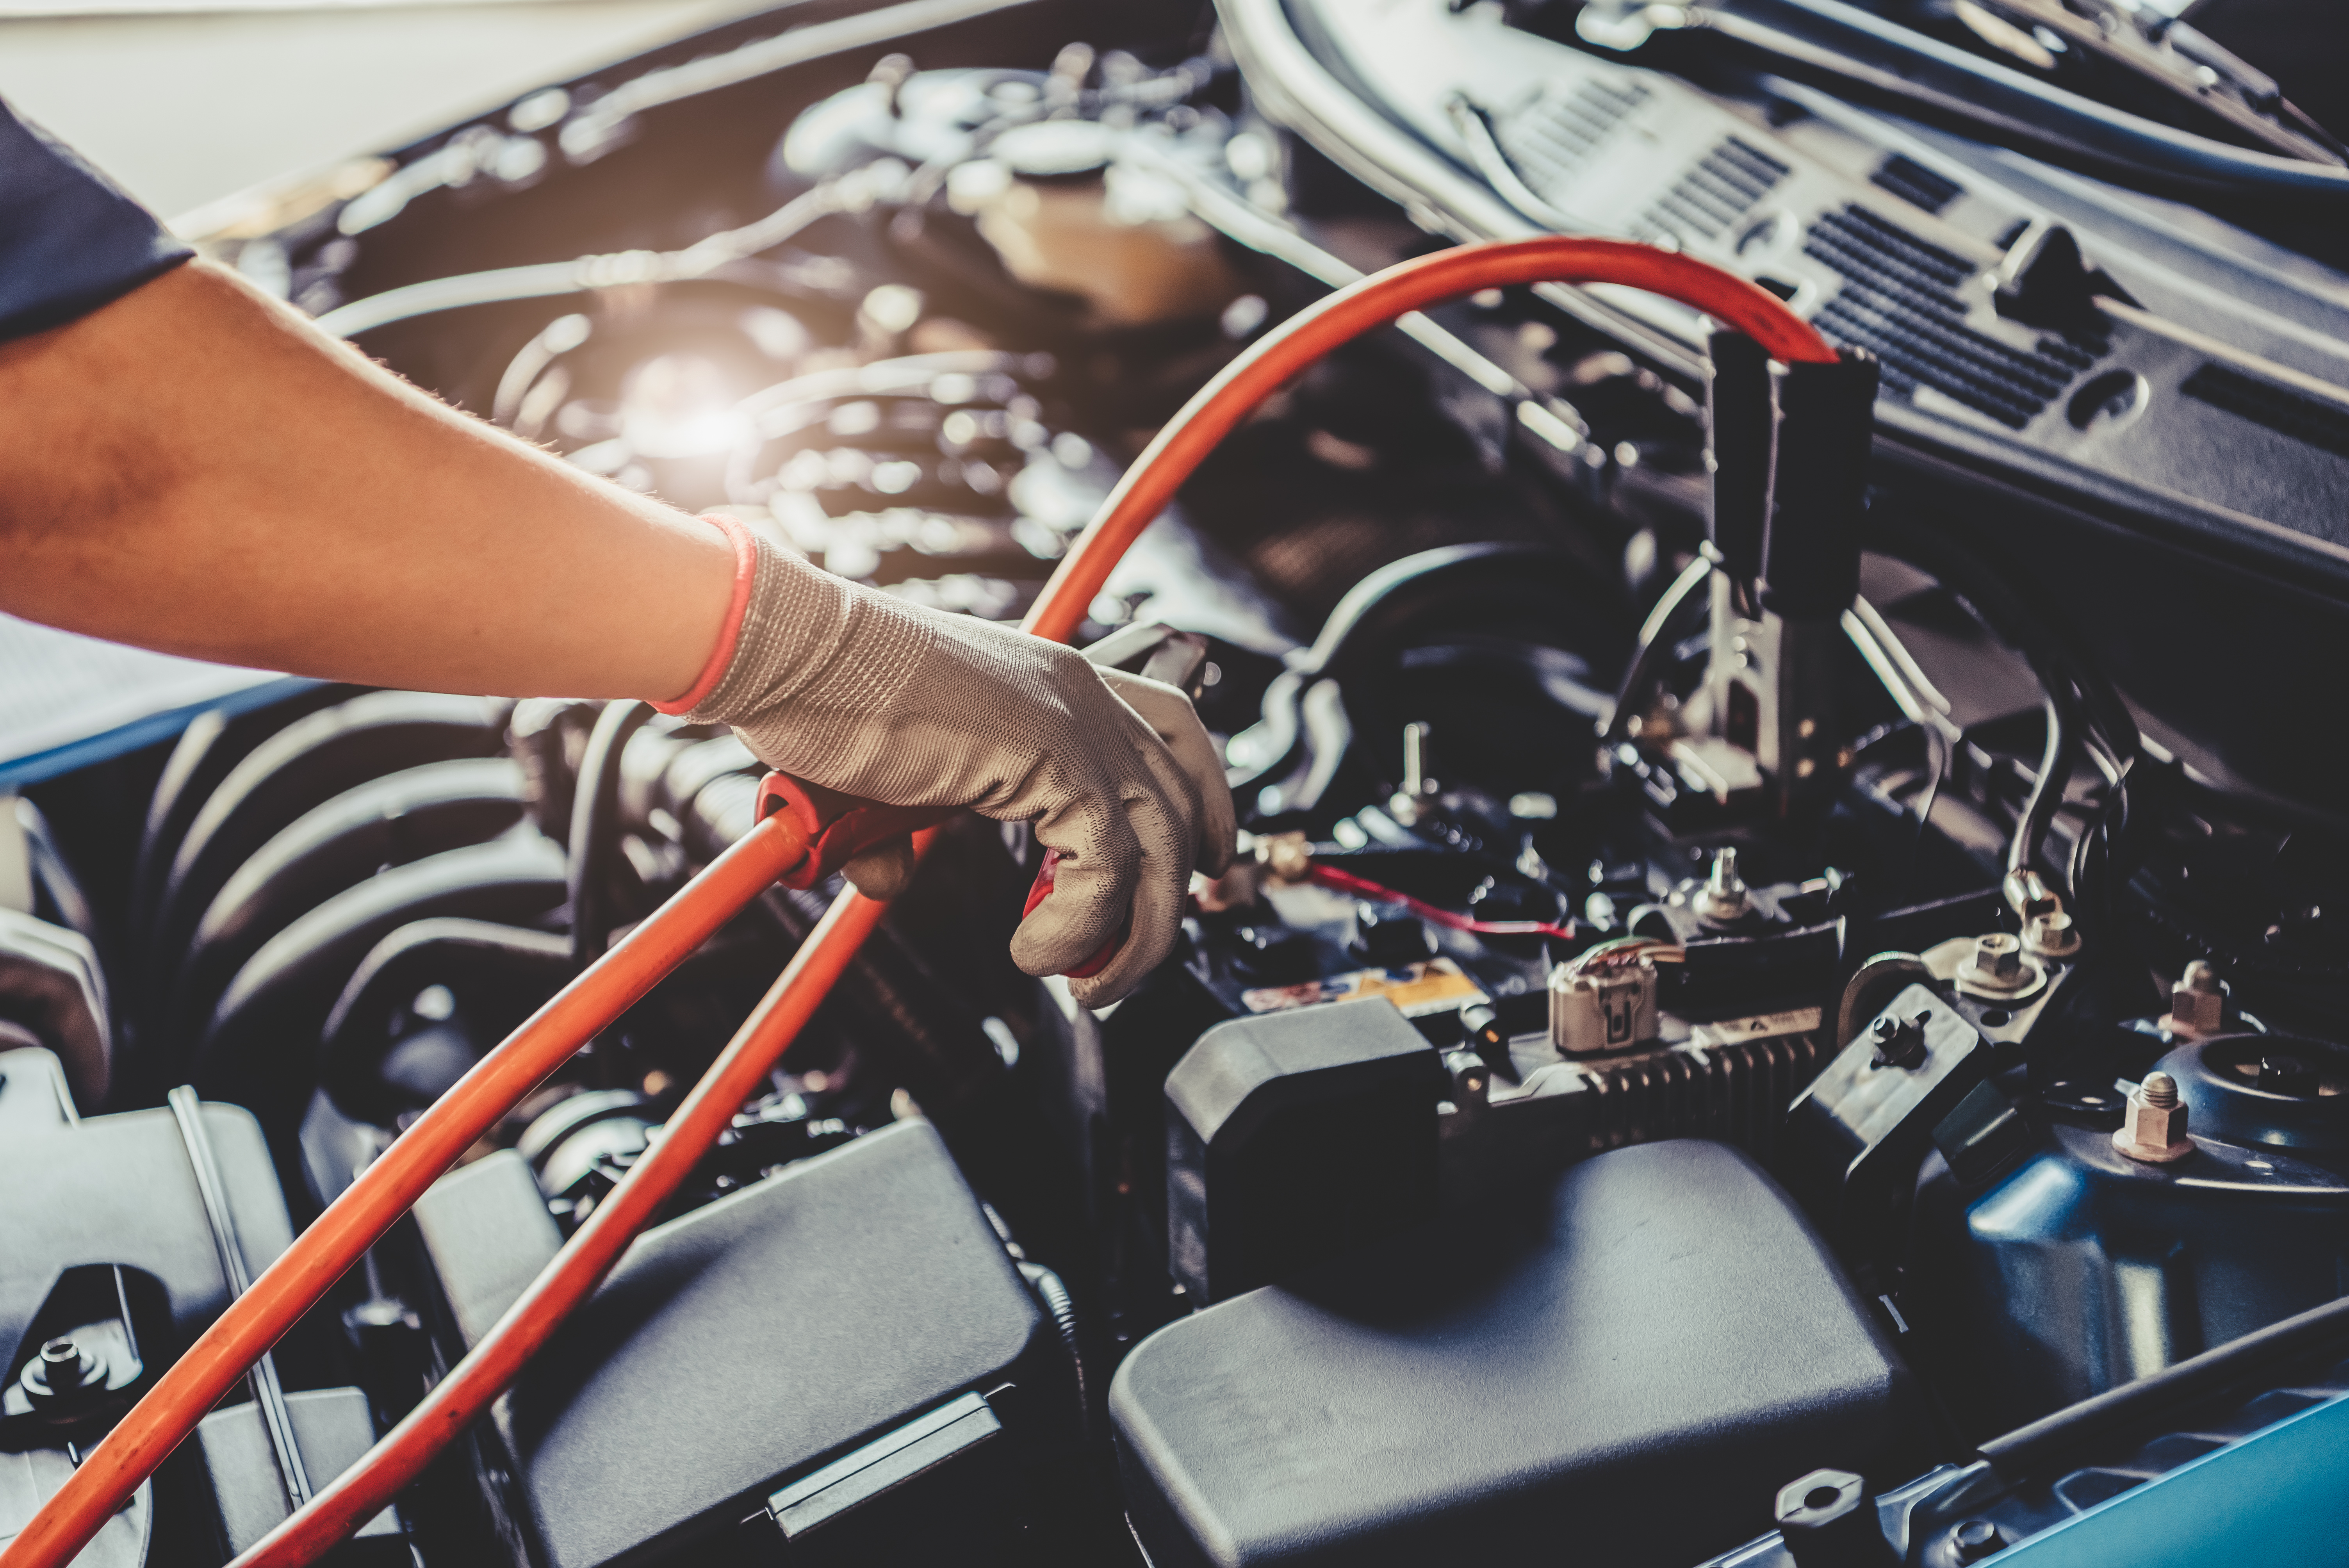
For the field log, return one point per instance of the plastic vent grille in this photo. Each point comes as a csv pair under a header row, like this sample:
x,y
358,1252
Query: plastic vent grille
x,y
1916,184
1721,187
1899,302
1553,138
2311,421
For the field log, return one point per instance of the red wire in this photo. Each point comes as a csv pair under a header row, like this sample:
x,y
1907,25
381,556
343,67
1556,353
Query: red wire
x,y
323,1253
1364,887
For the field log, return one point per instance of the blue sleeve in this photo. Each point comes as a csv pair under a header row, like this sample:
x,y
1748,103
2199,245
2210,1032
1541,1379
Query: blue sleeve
x,y
69,240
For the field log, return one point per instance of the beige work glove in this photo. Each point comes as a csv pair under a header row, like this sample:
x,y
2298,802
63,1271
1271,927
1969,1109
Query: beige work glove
x,y
858,691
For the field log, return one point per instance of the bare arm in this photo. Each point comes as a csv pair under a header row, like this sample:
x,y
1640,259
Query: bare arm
x,y
196,469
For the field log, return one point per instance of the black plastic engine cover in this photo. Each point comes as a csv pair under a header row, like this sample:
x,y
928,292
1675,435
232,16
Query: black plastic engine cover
x,y
1293,1136
825,1313
1621,1369
120,1190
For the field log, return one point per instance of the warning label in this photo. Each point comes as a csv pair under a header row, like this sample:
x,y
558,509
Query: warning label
x,y
1435,987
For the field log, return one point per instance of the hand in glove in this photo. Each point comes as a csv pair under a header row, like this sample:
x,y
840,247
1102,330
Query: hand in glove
x,y
861,692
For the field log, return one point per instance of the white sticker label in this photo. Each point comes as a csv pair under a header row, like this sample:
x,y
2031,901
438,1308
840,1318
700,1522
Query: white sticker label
x,y
1761,1025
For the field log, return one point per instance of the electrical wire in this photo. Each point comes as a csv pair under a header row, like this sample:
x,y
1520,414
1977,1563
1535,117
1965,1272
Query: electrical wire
x,y
1655,642
601,123
1919,700
2056,758
596,825
1625,951
584,275
1929,80
2084,710
324,1251
1364,887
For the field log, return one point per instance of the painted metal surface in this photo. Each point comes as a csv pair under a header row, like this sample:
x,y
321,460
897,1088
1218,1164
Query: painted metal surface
x,y
2279,1497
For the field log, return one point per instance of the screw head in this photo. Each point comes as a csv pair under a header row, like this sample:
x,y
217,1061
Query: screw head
x,y
1975,1540
1898,1044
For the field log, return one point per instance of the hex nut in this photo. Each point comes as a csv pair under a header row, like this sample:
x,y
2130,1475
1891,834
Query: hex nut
x,y
2051,935
2153,1127
1996,969
1827,1516
2197,1002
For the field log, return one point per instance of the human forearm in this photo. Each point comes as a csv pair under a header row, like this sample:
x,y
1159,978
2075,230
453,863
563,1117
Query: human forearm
x,y
194,469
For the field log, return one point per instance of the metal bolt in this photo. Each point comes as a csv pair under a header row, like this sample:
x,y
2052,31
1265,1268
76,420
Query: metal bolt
x,y
1724,897
1900,1044
2051,935
2153,1127
1415,737
2197,1002
1975,1540
1471,1078
1996,968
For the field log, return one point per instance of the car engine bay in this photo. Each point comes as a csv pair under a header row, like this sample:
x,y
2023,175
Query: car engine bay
x,y
1782,999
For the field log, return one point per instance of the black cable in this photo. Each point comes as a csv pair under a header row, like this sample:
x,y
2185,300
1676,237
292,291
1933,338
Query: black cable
x,y
2077,696
2100,848
2056,760
1942,750
594,825
1936,762
1064,1309
1656,642
1873,61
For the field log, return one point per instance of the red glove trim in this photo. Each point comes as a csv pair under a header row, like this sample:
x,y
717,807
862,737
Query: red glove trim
x,y
1098,960
746,567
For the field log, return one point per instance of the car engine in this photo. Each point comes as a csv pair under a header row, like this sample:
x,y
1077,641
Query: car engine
x,y
1784,994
